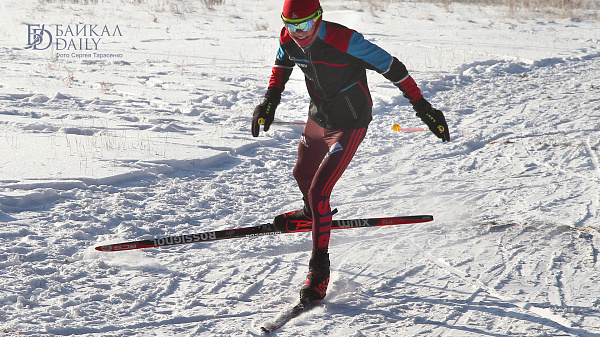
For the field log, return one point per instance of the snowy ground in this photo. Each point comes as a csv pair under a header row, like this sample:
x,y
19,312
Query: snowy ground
x,y
157,142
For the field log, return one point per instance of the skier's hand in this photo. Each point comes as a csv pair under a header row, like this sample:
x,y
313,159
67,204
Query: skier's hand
x,y
433,118
264,113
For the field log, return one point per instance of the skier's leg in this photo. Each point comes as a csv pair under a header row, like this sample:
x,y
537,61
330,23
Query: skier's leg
x,y
342,147
311,151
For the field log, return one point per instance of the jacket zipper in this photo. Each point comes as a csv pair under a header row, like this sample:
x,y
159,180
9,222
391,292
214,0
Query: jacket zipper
x,y
308,53
315,72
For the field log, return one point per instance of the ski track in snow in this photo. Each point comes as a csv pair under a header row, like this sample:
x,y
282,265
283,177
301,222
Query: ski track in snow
x,y
515,194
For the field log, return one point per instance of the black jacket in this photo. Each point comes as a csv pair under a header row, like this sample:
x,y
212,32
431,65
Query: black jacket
x,y
334,66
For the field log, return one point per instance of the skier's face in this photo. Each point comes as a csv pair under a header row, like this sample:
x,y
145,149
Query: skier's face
x,y
305,38
304,31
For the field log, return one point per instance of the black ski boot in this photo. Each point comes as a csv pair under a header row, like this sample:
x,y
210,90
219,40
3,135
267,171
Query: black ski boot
x,y
295,219
317,279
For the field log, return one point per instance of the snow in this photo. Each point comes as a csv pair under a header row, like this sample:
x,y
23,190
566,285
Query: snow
x,y
157,142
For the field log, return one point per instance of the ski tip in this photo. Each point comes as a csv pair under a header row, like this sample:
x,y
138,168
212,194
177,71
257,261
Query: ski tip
x,y
270,327
287,316
421,218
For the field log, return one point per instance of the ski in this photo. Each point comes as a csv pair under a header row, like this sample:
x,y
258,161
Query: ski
x,y
259,230
287,316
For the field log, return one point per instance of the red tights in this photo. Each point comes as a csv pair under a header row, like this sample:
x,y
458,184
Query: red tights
x,y
323,156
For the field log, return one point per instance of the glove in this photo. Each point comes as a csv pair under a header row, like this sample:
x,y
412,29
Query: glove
x,y
433,118
264,113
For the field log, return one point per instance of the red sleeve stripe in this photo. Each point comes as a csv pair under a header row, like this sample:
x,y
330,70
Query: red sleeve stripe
x,y
277,77
404,79
410,87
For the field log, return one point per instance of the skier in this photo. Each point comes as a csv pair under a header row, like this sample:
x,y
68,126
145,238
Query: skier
x,y
334,60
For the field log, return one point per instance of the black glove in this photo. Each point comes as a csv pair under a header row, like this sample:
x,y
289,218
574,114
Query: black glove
x,y
433,118
264,113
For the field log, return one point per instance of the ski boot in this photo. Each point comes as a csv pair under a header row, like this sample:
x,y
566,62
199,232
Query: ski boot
x,y
295,219
317,278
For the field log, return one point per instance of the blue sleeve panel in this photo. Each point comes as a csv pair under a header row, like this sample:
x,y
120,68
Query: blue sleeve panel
x,y
369,52
280,53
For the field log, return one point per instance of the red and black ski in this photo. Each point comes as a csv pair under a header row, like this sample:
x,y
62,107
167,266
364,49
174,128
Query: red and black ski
x,y
264,229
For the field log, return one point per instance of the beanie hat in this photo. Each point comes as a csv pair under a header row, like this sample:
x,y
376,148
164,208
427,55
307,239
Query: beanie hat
x,y
298,9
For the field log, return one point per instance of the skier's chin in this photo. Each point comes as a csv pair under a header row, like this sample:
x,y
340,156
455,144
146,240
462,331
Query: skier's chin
x,y
303,42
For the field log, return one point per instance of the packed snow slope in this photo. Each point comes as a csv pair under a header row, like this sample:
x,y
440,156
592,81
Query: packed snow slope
x,y
156,141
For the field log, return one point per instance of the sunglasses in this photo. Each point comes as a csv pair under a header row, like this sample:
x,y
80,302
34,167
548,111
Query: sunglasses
x,y
302,25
